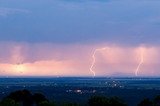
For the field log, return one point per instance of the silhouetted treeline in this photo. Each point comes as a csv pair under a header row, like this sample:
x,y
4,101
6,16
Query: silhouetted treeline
x,y
104,101
150,102
26,98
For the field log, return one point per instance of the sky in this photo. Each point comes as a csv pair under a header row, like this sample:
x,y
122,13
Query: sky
x,y
68,37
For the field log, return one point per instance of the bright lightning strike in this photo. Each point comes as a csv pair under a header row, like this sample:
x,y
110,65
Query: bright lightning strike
x,y
140,63
94,59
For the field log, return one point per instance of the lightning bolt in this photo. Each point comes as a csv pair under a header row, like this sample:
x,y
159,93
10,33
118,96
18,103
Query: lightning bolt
x,y
140,63
94,59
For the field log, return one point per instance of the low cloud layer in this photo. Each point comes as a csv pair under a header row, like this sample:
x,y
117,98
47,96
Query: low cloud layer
x,y
48,59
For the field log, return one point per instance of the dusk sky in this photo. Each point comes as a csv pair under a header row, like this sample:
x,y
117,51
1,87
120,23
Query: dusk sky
x,y
67,37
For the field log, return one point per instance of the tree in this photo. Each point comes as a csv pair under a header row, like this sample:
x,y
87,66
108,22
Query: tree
x,y
98,101
115,101
8,102
46,103
146,102
22,96
70,104
156,101
104,101
38,98
25,98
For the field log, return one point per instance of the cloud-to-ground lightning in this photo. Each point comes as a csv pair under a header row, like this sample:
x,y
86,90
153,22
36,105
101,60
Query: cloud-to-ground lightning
x,y
140,63
94,59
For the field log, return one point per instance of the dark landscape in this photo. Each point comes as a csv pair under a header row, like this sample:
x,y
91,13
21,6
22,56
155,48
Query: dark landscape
x,y
79,89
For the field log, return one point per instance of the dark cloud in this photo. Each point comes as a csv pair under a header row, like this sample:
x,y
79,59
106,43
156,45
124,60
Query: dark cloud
x,y
122,22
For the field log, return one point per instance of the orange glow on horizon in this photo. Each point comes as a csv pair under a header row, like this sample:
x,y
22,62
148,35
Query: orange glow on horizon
x,y
19,68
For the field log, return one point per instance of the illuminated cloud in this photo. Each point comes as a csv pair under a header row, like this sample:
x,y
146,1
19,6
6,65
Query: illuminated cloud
x,y
50,59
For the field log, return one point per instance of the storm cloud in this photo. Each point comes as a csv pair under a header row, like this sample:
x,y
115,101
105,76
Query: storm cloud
x,y
123,22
